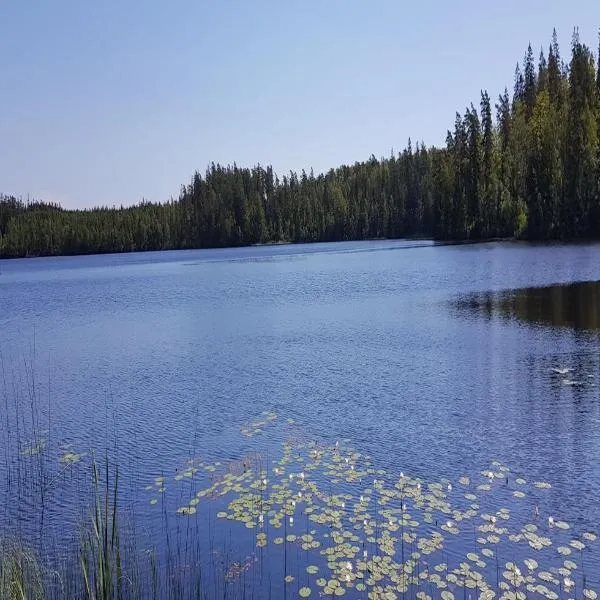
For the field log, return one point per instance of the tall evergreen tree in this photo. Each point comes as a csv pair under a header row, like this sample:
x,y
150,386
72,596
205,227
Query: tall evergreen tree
x,y
529,81
473,175
459,167
519,89
542,81
581,143
554,72
488,208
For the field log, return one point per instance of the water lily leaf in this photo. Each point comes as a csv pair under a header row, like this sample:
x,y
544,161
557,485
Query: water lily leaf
x,y
542,485
186,510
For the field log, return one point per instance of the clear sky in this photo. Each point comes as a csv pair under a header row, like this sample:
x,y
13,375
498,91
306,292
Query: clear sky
x,y
106,102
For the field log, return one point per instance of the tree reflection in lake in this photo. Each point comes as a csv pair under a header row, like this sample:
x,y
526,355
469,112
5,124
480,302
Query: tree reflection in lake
x,y
575,305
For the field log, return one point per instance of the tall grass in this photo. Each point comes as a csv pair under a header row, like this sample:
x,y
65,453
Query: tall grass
x,y
101,561
100,550
94,567
21,576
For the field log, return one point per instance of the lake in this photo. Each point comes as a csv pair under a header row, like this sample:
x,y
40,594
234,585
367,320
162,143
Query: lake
x,y
437,361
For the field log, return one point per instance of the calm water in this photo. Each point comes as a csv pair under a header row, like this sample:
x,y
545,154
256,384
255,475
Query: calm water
x,y
435,360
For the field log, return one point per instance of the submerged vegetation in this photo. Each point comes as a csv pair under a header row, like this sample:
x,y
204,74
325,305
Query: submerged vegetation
x,y
534,173
317,520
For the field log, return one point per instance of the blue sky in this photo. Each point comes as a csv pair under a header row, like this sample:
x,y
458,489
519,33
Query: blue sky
x,y
108,102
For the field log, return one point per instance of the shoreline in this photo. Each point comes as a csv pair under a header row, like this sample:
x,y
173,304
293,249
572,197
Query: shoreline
x,y
435,242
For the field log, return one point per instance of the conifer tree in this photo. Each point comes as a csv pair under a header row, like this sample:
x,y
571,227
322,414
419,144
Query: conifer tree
x,y
529,81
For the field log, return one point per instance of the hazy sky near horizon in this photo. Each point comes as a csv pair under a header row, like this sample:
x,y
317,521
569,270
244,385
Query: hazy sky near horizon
x,y
110,102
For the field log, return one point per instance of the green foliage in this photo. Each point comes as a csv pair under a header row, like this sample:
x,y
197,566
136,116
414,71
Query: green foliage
x,y
534,172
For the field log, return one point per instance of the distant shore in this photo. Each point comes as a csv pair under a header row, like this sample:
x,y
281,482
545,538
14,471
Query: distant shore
x,y
435,242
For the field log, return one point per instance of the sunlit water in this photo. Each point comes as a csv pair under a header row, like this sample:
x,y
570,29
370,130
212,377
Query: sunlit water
x,y
434,361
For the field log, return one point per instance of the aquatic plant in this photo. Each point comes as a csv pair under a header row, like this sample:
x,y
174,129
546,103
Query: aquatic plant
x,y
100,550
315,519
257,425
369,532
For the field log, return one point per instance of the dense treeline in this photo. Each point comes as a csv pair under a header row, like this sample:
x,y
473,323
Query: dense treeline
x,y
532,171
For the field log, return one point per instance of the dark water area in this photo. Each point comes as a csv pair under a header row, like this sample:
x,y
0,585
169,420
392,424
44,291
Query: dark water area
x,y
573,305
440,362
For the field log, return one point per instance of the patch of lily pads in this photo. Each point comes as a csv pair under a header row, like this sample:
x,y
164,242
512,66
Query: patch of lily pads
x,y
256,426
67,456
364,532
35,448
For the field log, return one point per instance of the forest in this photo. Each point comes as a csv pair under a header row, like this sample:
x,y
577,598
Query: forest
x,y
525,166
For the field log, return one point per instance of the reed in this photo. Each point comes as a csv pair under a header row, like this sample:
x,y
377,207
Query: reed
x,y
21,577
100,549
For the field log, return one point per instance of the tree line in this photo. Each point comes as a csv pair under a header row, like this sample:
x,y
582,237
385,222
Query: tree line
x,y
528,166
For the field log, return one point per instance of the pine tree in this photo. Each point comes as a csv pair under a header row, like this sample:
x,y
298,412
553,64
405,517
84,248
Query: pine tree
x,y
554,73
542,82
519,89
529,80
581,144
473,197
487,131
503,199
459,167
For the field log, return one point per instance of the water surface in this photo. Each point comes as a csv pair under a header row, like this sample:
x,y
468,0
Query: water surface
x,y
572,305
434,360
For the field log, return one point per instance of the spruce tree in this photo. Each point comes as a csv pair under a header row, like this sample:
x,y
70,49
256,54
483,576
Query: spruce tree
x,y
581,144
529,81
542,82
487,131
554,72
519,89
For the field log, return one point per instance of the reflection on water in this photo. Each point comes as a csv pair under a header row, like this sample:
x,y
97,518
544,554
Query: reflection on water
x,y
576,305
